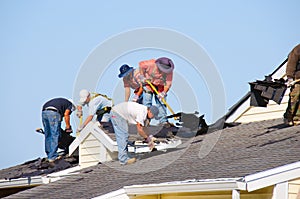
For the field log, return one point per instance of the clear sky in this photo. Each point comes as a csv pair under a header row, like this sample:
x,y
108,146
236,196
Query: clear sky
x,y
44,45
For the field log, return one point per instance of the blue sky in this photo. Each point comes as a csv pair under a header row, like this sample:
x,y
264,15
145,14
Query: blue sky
x,y
44,44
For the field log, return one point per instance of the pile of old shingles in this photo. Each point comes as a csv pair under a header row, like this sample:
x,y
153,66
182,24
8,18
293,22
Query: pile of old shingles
x,y
265,90
38,167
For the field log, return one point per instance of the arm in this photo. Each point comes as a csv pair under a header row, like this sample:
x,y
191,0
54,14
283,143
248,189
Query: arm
x,y
87,120
168,83
127,93
292,62
79,108
141,130
67,118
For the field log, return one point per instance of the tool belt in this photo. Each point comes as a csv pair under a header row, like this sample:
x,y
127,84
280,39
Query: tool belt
x,y
103,110
159,88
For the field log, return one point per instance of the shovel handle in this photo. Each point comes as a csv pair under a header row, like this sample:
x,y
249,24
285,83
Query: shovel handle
x,y
163,99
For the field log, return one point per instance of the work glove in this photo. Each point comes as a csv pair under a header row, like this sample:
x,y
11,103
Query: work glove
x,y
162,95
289,82
135,98
69,130
80,128
150,140
79,114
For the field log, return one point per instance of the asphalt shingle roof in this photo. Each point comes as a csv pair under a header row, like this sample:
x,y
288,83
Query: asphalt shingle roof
x,y
238,151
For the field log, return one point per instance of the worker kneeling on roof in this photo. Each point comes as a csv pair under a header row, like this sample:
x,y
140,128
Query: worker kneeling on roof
x,y
98,104
131,113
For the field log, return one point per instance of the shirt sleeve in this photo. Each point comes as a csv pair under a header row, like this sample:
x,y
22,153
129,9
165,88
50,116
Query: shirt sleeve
x,y
293,59
140,118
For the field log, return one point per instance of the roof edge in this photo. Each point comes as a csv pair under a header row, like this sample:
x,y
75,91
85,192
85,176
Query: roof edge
x,y
272,176
119,194
187,186
21,182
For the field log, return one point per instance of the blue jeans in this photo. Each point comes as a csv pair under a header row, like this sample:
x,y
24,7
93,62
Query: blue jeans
x,y
120,126
147,101
52,124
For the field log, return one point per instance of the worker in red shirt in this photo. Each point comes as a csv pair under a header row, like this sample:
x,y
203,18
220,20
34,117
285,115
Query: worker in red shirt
x,y
160,73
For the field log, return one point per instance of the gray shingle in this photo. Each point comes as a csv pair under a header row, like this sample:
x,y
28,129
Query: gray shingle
x,y
239,151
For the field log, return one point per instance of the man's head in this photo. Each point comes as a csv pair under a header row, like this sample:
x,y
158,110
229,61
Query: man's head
x,y
153,112
84,96
165,64
125,70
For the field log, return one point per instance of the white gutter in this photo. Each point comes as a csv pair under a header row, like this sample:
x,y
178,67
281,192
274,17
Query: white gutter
x,y
60,174
248,183
38,180
272,176
119,194
21,182
186,186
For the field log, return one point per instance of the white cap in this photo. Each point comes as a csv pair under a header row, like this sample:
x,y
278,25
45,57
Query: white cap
x,y
83,95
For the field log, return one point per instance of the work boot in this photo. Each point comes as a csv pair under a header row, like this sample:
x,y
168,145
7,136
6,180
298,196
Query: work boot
x,y
287,122
131,161
296,123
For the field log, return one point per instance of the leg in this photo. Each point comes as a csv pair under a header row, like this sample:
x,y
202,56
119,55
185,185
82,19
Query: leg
x,y
47,132
162,111
295,103
147,98
52,125
121,131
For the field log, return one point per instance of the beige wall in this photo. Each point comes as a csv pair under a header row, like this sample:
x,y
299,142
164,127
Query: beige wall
x,y
265,193
272,111
294,188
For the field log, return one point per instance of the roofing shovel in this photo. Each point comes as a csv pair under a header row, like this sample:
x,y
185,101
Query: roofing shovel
x,y
294,82
162,99
64,141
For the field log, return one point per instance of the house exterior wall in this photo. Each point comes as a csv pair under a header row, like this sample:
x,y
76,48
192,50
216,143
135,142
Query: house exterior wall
x,y
272,111
89,151
265,193
294,189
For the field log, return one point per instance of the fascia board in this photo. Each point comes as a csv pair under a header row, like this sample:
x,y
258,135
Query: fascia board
x,y
21,182
83,134
104,139
119,194
38,180
183,187
243,107
272,176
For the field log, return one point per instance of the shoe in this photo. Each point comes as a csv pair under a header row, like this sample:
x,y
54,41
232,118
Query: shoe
x,y
296,123
51,163
131,161
287,122
53,160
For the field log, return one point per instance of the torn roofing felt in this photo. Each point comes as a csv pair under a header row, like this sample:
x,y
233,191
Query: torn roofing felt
x,y
37,167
